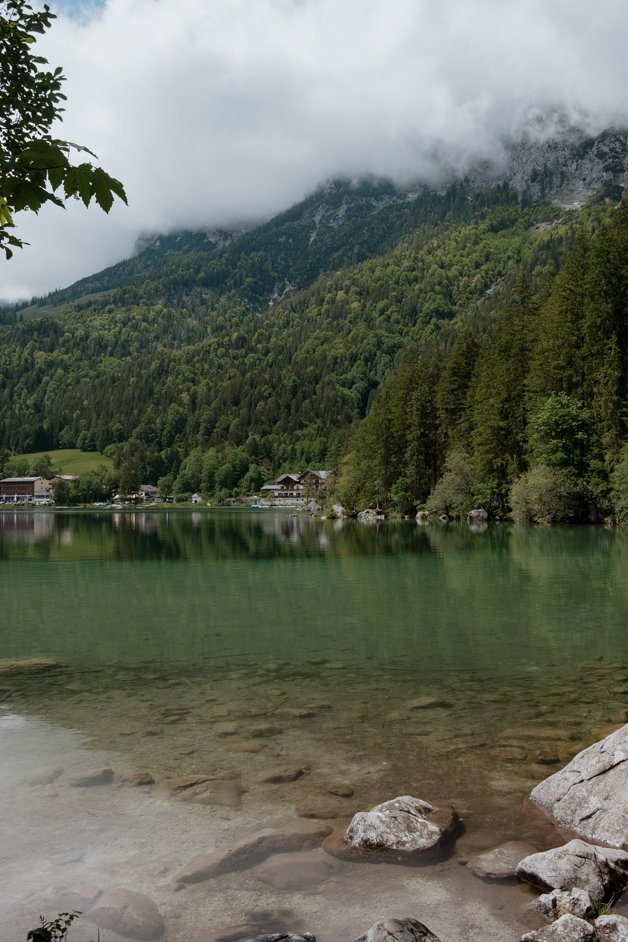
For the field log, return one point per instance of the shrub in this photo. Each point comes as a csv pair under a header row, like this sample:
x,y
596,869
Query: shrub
x,y
454,493
547,495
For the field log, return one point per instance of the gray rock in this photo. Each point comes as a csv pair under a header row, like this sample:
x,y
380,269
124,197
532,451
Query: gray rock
x,y
399,930
130,914
403,824
252,850
500,862
477,516
589,796
341,790
611,928
423,517
44,776
601,871
91,777
566,929
558,903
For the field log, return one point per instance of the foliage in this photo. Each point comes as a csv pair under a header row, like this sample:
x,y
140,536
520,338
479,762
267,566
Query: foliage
x,y
560,433
454,494
547,495
619,488
35,168
53,930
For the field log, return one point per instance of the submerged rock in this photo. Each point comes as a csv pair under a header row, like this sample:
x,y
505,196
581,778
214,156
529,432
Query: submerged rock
x,y
130,914
398,930
252,850
28,665
404,824
601,871
44,776
205,790
589,796
301,871
500,862
91,777
280,776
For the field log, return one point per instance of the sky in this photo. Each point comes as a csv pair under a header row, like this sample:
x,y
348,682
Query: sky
x,y
225,112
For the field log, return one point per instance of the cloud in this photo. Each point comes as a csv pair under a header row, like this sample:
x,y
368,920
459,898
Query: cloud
x,y
223,111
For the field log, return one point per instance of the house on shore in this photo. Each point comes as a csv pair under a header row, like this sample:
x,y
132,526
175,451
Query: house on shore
x,y
294,488
27,490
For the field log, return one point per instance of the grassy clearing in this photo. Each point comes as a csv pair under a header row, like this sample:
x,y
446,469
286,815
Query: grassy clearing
x,y
70,460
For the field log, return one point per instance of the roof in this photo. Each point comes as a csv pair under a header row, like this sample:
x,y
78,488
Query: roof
x,y
22,480
292,475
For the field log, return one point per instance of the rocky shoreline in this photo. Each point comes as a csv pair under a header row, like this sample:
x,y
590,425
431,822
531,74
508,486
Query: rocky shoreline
x,y
587,800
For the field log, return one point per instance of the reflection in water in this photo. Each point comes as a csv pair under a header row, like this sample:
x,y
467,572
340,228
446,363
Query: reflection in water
x,y
456,665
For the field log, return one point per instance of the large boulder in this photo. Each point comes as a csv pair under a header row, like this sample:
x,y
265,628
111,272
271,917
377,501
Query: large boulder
x,y
398,930
252,850
405,824
589,797
130,914
601,871
558,903
611,928
566,929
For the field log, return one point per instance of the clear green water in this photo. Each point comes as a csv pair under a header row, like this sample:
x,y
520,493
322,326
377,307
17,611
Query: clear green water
x,y
434,661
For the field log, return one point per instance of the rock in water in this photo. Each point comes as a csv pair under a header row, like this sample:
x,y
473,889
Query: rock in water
x,y
566,929
500,862
399,930
601,871
130,914
204,790
590,795
403,824
28,665
252,850
91,777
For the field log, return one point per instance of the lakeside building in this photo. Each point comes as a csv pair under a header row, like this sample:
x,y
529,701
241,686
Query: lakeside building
x,y
27,490
294,488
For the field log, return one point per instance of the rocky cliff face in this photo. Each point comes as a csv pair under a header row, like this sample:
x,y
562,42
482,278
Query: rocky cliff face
x,y
566,170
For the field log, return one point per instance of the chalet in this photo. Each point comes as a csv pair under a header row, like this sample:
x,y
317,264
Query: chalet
x,y
25,490
291,488
149,493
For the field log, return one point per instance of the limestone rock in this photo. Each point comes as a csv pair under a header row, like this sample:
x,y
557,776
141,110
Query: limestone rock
x,y
477,516
611,928
252,850
91,777
44,776
589,796
403,824
553,905
500,862
130,914
399,930
566,929
302,871
204,790
423,517
601,871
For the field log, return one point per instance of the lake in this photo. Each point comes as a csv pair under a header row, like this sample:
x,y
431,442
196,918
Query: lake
x,y
457,666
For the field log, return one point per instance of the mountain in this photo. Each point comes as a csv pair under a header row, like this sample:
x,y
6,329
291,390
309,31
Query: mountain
x,y
218,358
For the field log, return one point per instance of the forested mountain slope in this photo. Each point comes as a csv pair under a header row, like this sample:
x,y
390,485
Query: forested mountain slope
x,y
216,359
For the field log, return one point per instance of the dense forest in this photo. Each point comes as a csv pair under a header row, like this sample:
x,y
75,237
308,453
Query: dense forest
x,y
432,349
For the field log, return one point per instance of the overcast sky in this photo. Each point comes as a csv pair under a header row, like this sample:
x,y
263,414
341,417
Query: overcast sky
x,y
224,111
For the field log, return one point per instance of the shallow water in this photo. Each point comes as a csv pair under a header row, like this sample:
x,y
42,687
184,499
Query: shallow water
x,y
457,666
